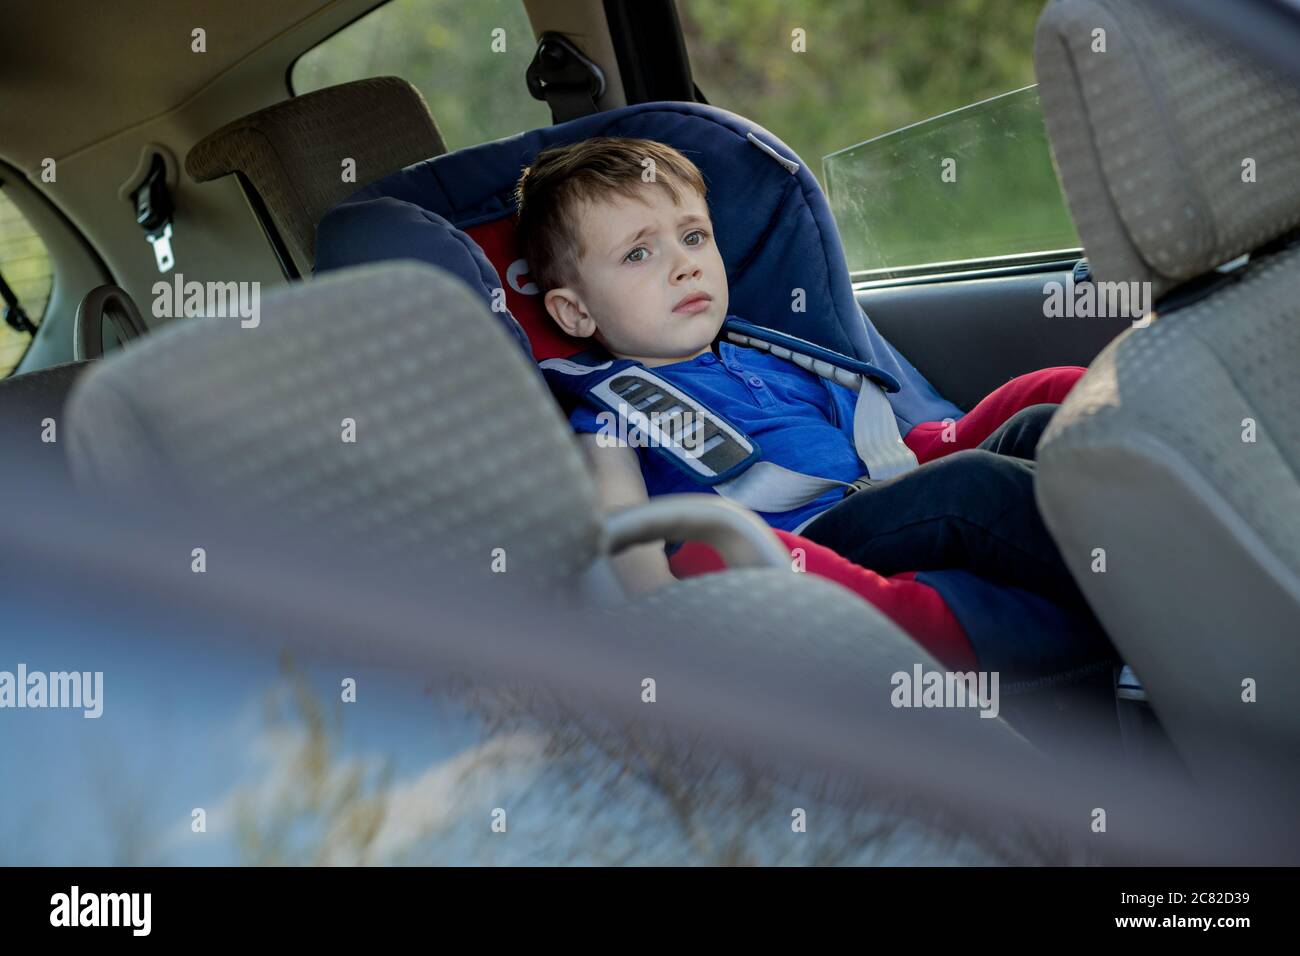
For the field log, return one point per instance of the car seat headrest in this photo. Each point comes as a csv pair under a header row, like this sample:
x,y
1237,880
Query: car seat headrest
x,y
1177,152
380,406
290,153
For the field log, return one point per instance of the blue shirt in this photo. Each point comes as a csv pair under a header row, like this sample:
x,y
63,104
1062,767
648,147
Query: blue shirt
x,y
799,419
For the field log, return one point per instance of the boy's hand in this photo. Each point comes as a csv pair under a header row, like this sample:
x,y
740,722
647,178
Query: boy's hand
x,y
642,568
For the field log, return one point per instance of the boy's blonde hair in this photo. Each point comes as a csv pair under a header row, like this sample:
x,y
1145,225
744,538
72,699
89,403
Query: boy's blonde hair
x,y
561,177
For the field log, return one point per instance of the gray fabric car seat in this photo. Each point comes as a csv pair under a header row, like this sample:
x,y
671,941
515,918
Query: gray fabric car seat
x,y
451,456
459,450
1176,459
289,157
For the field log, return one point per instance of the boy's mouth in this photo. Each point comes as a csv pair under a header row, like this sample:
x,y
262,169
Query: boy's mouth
x,y
693,304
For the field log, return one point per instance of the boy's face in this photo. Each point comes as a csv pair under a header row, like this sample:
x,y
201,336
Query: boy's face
x,y
652,284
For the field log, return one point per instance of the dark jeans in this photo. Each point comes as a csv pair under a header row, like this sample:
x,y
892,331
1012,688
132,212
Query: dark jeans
x,y
972,509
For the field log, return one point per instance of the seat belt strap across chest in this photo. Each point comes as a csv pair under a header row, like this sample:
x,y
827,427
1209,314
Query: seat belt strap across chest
x,y
712,451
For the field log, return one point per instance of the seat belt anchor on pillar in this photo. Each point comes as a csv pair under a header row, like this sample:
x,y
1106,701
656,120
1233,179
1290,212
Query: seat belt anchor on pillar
x,y
153,212
565,77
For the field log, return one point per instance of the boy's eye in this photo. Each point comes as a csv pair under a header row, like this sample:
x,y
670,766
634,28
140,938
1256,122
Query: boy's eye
x,y
696,237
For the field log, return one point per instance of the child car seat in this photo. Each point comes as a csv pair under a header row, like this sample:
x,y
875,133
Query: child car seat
x,y
775,232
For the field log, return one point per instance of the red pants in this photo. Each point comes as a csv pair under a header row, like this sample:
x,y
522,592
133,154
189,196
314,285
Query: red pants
x,y
916,608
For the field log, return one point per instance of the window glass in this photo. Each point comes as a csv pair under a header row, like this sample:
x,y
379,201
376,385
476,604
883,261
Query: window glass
x,y
970,186
25,265
828,75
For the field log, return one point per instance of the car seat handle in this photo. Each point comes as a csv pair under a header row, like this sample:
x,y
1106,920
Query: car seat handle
x,y
739,535
106,301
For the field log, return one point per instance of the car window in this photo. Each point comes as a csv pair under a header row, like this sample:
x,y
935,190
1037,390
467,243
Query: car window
x,y
468,59
964,189
853,102
25,266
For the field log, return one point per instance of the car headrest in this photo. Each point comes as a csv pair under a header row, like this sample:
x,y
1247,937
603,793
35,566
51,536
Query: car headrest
x,y
416,431
291,153
1177,151
785,264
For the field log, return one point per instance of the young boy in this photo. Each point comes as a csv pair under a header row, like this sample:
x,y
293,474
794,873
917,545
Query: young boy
x,y
634,264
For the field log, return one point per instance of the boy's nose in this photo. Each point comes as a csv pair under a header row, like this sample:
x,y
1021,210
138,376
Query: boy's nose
x,y
686,269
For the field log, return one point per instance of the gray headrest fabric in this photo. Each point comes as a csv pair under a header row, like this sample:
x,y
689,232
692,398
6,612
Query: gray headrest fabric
x,y
293,152
1177,152
384,405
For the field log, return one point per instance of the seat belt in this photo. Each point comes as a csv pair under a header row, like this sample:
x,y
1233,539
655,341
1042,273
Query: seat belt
x,y
766,486
876,438
716,453
566,78
711,450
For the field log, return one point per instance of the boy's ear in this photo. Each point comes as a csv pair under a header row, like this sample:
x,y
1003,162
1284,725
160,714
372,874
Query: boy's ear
x,y
566,308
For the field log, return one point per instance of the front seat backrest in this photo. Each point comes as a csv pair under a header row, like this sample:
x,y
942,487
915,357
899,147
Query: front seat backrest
x,y
1170,477
291,155
382,406
384,412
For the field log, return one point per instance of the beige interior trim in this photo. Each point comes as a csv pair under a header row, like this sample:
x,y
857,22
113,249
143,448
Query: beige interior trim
x,y
583,21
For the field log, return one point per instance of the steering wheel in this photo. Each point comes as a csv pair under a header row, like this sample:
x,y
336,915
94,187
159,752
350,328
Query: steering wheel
x,y
106,302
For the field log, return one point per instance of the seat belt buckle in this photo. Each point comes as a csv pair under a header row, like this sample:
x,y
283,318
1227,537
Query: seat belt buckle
x,y
162,247
858,484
